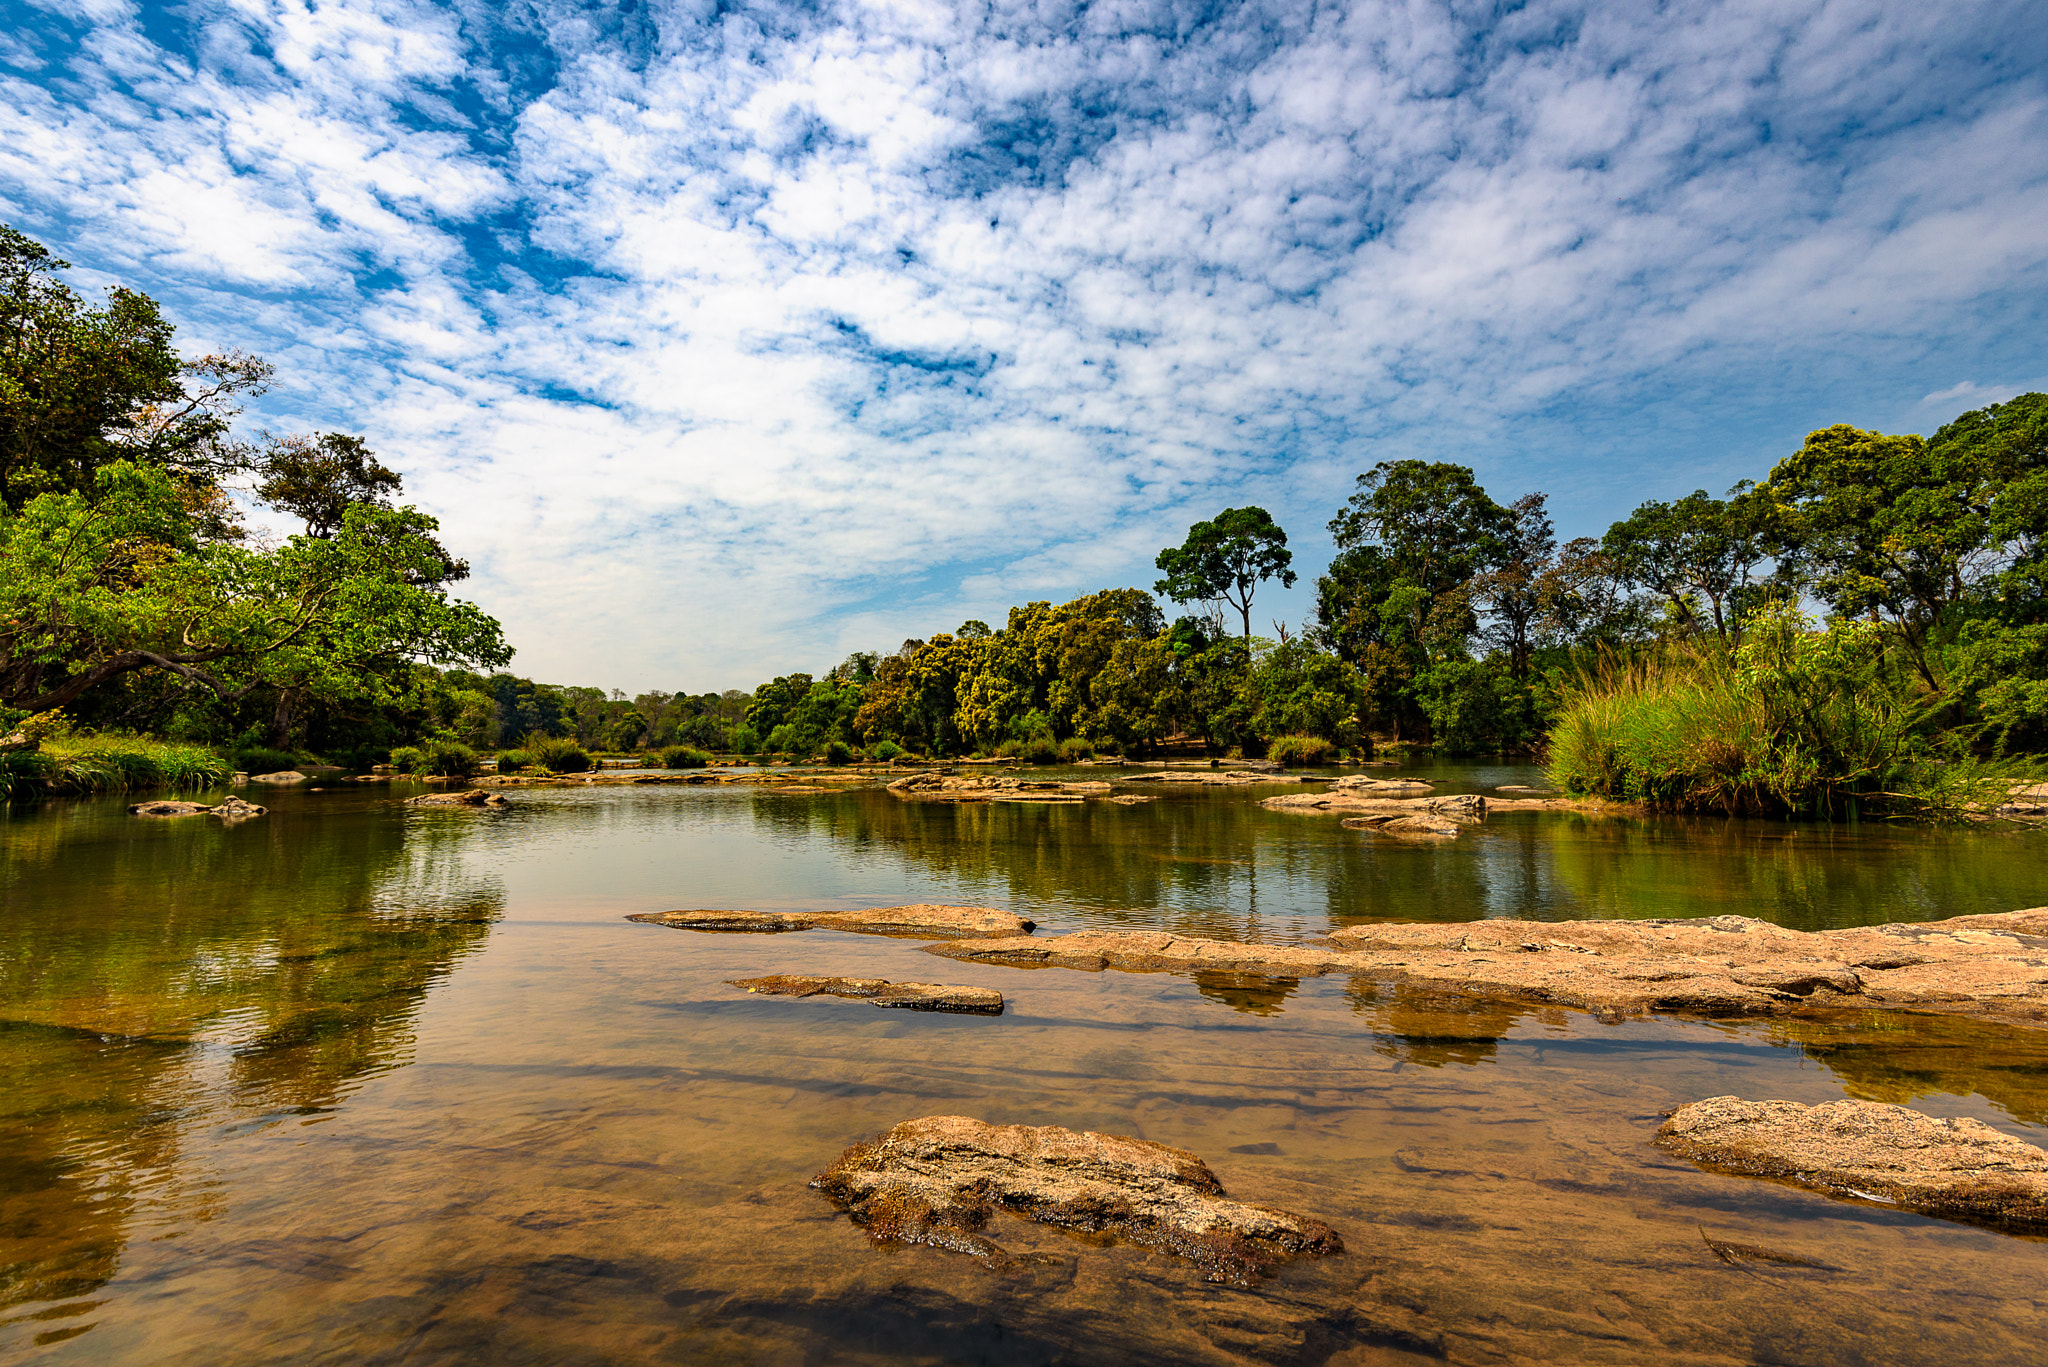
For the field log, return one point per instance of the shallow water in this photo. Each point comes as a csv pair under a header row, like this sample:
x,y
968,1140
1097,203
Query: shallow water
x,y
357,1083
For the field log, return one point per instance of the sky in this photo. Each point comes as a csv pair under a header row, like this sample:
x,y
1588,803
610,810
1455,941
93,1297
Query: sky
x,y
726,339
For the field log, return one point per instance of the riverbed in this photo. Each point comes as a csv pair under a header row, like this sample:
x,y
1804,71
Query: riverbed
x,y
354,1082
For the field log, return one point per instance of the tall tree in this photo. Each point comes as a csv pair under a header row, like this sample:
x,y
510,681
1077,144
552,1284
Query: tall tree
x,y
1698,551
1227,558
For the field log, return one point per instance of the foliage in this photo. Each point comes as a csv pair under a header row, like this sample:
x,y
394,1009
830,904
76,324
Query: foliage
x,y
683,757
1699,550
263,760
1227,559
108,763
512,761
1299,751
450,758
885,750
838,752
409,759
1074,748
557,754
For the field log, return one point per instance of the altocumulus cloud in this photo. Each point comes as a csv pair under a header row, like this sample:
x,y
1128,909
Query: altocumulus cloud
x,y
728,338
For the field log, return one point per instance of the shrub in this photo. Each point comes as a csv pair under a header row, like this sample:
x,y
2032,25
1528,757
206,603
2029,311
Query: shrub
x,y
886,750
1073,748
1041,750
448,757
838,752
408,759
558,754
682,757
743,740
111,763
1299,750
1010,749
1107,745
512,761
258,759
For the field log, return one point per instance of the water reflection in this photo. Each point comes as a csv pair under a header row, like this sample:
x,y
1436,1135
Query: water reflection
x,y
1431,1027
160,983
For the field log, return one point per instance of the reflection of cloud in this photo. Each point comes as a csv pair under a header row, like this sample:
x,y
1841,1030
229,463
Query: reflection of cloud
x,y
729,326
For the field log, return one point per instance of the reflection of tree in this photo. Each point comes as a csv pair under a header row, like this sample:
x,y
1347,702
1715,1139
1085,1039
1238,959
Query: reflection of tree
x,y
1253,993
302,948
1897,1057
1431,1027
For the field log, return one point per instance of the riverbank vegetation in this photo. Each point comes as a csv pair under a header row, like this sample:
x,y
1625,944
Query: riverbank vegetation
x,y
1864,627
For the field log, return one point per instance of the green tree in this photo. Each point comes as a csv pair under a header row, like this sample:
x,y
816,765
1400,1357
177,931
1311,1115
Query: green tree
x,y
92,589
1699,550
84,387
1227,559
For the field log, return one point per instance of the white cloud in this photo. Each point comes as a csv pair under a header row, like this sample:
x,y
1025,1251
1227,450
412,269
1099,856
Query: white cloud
x,y
726,345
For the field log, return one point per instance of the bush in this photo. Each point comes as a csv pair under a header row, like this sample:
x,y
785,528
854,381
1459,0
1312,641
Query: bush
x,y
886,750
1010,749
450,758
1073,748
1107,745
682,757
112,763
838,752
557,754
258,759
1299,750
408,759
1041,750
512,761
743,740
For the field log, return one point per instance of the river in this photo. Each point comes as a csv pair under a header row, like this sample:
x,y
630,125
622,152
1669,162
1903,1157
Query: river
x,y
360,1083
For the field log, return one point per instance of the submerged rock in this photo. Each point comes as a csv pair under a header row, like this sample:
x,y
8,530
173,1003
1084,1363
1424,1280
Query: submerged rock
x,y
920,920
281,776
1956,1169
229,809
1142,951
972,1001
475,797
941,1179
1422,826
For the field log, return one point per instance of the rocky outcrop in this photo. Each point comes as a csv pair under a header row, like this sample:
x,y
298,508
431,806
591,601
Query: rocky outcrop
x,y
1425,827
940,1181
474,797
1988,967
1219,778
281,776
1956,1169
1365,785
970,1001
920,921
948,787
230,809
1143,951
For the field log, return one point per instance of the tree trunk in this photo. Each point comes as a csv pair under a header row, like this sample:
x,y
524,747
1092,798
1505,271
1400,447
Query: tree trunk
x,y
281,718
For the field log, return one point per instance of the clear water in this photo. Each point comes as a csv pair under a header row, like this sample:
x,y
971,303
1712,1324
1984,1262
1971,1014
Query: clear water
x,y
357,1083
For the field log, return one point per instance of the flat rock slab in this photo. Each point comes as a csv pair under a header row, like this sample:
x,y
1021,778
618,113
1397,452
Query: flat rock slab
x,y
921,921
228,809
1424,827
1988,967
281,776
968,1001
475,797
1955,1169
1143,951
940,1181
1365,785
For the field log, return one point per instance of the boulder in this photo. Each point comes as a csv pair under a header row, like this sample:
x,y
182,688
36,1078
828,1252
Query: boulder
x,y
474,797
940,1181
971,1001
1956,1169
1423,826
229,809
920,921
281,776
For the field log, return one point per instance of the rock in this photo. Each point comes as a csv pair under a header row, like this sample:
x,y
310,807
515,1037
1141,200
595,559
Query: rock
x,y
1364,785
923,920
18,741
1955,1169
1142,951
1133,799
229,809
1420,827
170,809
940,1181
281,776
475,797
973,1001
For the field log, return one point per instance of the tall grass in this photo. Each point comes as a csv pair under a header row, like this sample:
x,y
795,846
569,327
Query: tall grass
x,y
1792,722
109,763
1300,750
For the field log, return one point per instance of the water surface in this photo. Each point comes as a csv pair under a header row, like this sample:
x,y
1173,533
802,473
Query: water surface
x,y
358,1083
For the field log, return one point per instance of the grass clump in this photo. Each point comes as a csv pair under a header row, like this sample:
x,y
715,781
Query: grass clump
x,y
885,750
1792,721
512,761
449,757
558,754
1298,751
682,757
261,759
112,762
1040,749
838,752
1073,748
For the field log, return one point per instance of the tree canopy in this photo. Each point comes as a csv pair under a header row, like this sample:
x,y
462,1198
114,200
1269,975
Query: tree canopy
x,y
1227,559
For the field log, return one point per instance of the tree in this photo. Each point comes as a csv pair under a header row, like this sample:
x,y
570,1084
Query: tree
x,y
1512,593
96,588
1698,550
83,387
1227,559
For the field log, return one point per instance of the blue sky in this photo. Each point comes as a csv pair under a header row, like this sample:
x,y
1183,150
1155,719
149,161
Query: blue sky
x,y
728,338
